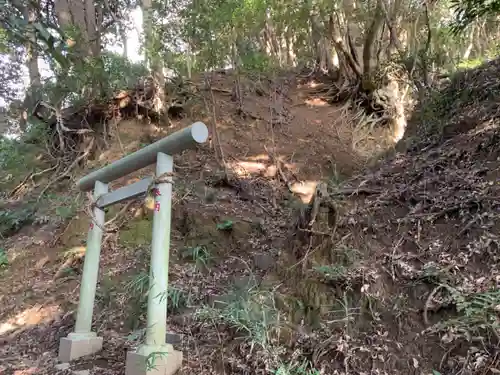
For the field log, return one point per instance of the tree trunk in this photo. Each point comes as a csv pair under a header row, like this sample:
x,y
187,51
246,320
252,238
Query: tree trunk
x,y
322,46
349,67
370,37
87,20
272,44
33,94
291,58
123,36
83,16
154,60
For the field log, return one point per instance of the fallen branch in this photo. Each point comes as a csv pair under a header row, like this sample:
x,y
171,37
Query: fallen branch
x,y
68,169
218,90
356,191
218,145
68,263
277,162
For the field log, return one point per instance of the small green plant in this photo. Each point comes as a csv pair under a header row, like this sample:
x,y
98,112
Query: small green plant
x,y
152,358
12,221
255,62
64,206
477,312
336,178
332,273
177,299
4,261
138,290
106,290
68,271
252,313
66,212
226,225
199,254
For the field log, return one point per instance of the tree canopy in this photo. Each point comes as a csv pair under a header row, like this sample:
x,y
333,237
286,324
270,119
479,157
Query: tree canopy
x,y
351,40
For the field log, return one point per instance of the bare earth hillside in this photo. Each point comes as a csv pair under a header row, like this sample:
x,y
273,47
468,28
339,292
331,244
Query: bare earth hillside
x,y
394,271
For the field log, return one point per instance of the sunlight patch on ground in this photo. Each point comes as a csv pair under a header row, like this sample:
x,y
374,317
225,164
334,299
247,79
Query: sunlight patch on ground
x,y
261,168
305,190
316,102
260,157
30,317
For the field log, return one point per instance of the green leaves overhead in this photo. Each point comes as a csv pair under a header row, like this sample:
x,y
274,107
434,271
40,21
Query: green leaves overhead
x,y
469,11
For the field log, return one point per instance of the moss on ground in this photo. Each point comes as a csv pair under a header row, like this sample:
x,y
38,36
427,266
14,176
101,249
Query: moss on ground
x,y
138,233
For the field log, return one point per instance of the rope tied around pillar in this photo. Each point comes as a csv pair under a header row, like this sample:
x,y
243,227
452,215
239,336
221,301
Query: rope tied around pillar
x,y
151,191
164,178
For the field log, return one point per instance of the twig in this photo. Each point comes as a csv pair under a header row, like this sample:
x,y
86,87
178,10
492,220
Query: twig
x,y
30,177
219,90
395,247
68,169
220,152
356,191
277,162
470,224
123,209
312,231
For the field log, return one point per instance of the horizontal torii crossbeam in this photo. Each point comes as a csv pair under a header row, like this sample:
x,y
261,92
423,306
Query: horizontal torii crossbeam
x,y
83,341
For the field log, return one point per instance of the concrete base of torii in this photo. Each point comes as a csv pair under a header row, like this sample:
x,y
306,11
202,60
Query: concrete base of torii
x,y
150,361
77,345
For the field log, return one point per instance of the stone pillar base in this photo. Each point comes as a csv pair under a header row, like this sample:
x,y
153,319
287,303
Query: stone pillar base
x,y
146,361
77,345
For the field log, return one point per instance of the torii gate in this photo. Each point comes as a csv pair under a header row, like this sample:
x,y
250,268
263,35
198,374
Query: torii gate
x,y
83,341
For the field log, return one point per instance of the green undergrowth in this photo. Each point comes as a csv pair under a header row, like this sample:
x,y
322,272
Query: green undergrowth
x,y
476,314
467,100
137,289
51,207
129,293
137,233
260,316
11,221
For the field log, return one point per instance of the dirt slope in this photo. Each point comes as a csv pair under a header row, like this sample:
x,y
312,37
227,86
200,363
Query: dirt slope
x,y
426,224
250,293
276,145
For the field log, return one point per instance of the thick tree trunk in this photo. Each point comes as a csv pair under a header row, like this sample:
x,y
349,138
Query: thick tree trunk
x,y
83,16
371,35
87,20
33,94
271,41
349,67
291,58
123,36
322,46
154,60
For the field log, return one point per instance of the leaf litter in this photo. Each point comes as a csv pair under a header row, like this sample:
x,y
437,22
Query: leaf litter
x,y
421,298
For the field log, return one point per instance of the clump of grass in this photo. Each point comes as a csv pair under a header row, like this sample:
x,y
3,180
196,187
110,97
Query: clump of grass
x,y
199,254
137,290
253,314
